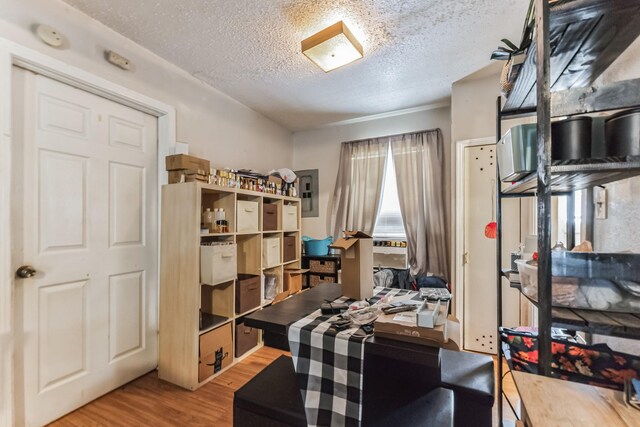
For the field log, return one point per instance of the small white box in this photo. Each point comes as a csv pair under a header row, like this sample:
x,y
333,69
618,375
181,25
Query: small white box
x,y
289,217
247,216
270,252
218,263
434,314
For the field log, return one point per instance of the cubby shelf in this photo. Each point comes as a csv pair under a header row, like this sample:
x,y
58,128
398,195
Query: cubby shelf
x,y
189,309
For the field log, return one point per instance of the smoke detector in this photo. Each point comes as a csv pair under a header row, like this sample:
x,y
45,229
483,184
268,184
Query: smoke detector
x,y
49,35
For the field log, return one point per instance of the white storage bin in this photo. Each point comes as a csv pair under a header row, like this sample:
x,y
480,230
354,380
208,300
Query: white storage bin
x,y
247,216
218,263
289,217
270,251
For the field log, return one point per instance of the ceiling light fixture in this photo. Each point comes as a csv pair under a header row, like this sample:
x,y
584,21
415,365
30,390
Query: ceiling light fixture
x,y
332,47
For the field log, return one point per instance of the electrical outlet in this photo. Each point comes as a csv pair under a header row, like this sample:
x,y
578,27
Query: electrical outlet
x,y
600,202
118,60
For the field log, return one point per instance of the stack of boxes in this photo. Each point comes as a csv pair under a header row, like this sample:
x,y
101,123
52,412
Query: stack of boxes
x,y
185,168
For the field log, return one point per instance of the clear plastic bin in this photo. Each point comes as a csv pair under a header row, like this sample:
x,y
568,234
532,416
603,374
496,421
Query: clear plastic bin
x,y
592,281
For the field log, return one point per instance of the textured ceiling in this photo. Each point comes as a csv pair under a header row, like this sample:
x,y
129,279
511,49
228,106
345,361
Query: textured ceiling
x,y
250,49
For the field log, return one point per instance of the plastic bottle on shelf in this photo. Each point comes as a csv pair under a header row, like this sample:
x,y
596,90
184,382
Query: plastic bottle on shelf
x,y
208,218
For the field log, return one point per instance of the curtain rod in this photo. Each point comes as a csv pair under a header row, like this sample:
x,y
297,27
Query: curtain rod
x,y
391,136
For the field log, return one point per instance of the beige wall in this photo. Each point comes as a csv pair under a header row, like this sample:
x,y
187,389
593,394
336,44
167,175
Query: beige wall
x,y
320,149
216,126
621,230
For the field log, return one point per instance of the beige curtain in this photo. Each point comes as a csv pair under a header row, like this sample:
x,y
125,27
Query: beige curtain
x,y
358,191
419,162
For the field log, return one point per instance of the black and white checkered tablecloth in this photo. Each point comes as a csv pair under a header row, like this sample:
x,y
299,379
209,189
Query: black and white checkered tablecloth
x,y
329,366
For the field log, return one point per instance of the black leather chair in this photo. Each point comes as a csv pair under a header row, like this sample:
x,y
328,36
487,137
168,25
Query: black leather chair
x,y
472,379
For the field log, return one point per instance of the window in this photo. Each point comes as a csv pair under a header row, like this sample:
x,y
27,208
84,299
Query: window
x,y
562,219
389,223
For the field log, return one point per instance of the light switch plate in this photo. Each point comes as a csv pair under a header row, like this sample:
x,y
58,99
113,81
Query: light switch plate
x,y
600,202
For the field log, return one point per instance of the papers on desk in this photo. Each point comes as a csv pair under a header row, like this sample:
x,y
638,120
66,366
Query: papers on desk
x,y
405,317
404,327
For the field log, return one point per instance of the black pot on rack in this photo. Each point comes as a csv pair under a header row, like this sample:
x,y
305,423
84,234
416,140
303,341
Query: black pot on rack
x,y
571,138
622,134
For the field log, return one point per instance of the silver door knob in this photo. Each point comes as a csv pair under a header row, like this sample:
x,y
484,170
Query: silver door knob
x,y
25,271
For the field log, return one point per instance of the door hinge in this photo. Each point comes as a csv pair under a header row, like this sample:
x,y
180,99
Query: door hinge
x,y
465,258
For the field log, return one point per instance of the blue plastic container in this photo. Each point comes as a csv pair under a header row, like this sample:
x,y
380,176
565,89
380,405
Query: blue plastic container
x,y
316,247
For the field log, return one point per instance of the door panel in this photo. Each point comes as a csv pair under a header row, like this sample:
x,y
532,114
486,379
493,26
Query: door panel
x,y
63,201
126,134
57,115
126,314
89,226
126,204
62,334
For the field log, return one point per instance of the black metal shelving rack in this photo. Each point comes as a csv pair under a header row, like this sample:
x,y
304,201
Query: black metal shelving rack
x,y
575,41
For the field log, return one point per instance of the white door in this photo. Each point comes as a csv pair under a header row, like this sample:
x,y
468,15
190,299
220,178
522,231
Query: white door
x,y
480,290
86,323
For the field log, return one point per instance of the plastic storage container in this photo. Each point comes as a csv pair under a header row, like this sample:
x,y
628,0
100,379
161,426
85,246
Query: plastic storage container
x,y
592,281
316,247
517,152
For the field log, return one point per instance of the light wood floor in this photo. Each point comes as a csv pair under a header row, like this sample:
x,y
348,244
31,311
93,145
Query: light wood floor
x,y
148,401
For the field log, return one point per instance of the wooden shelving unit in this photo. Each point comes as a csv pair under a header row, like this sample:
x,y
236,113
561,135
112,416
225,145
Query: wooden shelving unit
x,y
188,308
585,37
575,42
570,176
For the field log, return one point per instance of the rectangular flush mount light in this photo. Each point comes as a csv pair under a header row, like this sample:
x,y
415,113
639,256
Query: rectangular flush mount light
x,y
332,47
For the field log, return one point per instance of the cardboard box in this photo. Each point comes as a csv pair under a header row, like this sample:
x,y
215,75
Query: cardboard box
x,y
276,180
185,161
216,351
356,260
293,280
446,335
176,176
280,297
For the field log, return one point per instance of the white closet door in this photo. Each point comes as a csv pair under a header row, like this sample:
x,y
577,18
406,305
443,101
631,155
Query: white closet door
x,y
87,321
480,287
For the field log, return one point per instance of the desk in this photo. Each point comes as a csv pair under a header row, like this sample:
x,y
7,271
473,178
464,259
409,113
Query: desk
x,y
469,375
276,319
331,365
551,402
